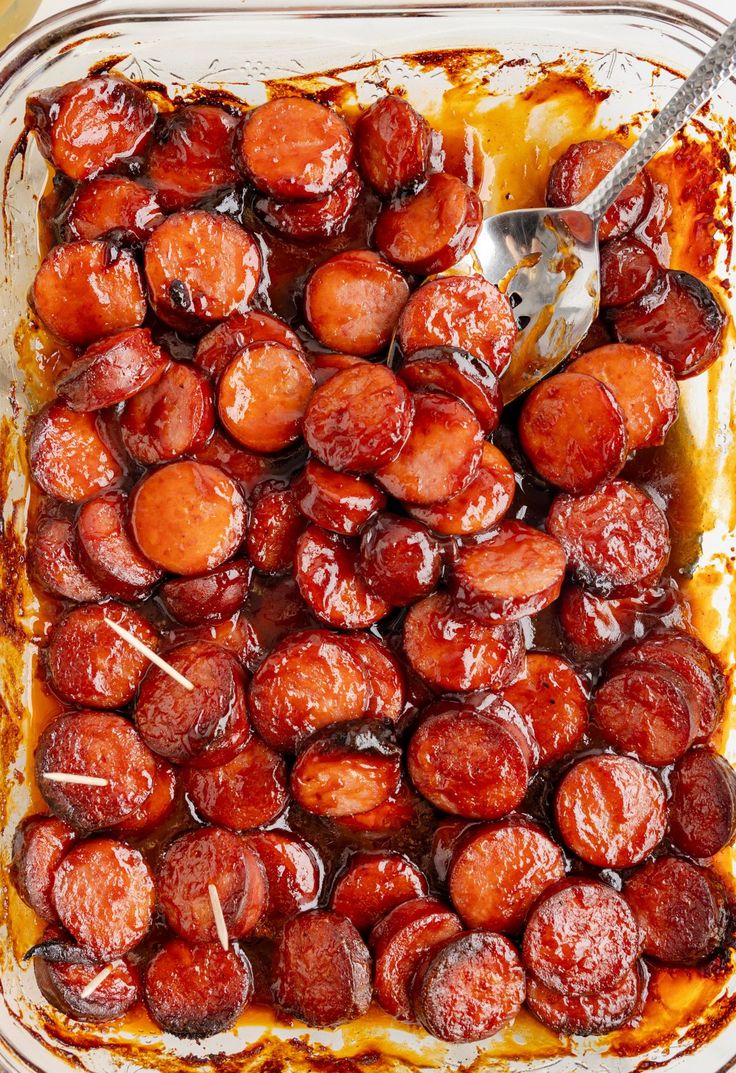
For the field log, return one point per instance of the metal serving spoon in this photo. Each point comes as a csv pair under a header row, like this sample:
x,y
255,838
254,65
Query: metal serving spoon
x,y
549,258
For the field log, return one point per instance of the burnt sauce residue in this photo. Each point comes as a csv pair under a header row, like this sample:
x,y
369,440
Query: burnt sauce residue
x,y
500,155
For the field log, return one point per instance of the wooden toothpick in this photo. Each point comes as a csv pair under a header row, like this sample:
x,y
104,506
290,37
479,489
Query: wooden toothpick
x,y
217,913
95,983
75,780
149,654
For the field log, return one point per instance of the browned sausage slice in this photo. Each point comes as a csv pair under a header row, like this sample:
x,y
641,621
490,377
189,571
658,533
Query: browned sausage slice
x,y
248,791
107,549
327,573
595,626
321,218
628,270
383,672
210,597
192,155
702,806
112,205
400,559
237,634
173,417
325,366
274,526
587,1015
293,870
63,983
40,843
645,709
69,457
551,696
218,347
393,142
53,560
371,884
112,370
480,505
157,807
399,812
352,302
460,374
337,501
322,969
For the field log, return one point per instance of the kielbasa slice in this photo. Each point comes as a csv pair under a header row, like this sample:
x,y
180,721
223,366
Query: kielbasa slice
x,y
63,984
327,573
628,270
246,468
460,374
292,147
371,884
40,843
643,385
469,987
581,938
89,665
263,395
325,366
393,143
469,763
444,841
157,807
383,672
456,653
400,559
616,539
192,155
107,549
679,318
680,909
173,417
210,597
395,814
610,811
84,290
322,969
200,267
112,370
551,696
274,527
573,432
112,205
196,990
218,347
69,456
187,517
237,634
480,505
100,745
91,125
309,681
587,1015
248,791
360,419
595,626
321,218
498,870
441,455
352,302
337,501
579,170
53,560
293,870
464,312
432,230
104,895
515,571
205,726
702,806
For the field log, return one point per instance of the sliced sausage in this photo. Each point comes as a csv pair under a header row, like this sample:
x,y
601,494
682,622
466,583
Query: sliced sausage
x,y
274,527
198,860
371,884
395,814
579,170
399,941
112,204
400,559
218,347
40,843
645,709
263,395
551,696
393,142
84,290
108,551
112,370
515,571
210,597
469,987
322,969
498,870
444,840
432,230
573,432
89,665
325,366
581,937
200,267
360,419
702,806
337,501
467,312
237,634
91,125
292,147
327,573
628,270
455,652
104,895
652,228
587,1015
460,374
679,318
69,457
173,417
309,681
680,909
187,517
352,302
383,672
468,762
347,769
293,870
610,811
197,990
205,726
53,560
248,791
192,155
157,807
321,218
63,984
441,455
480,505
616,539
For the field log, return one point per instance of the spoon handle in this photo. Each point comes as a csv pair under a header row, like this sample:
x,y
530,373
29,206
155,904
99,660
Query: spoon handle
x,y
713,69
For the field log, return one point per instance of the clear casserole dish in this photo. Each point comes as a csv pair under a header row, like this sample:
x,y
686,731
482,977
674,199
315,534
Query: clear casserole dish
x,y
631,52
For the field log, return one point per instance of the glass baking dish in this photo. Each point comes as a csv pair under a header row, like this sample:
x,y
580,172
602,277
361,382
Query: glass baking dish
x,y
632,49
